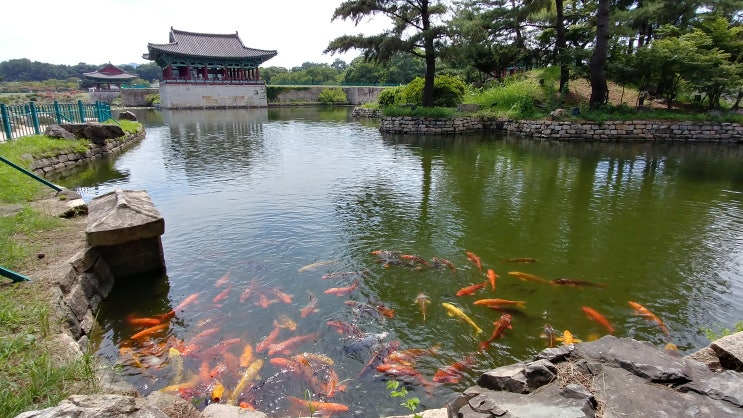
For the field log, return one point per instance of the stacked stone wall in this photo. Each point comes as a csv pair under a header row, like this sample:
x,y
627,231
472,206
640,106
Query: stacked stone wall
x,y
60,163
563,130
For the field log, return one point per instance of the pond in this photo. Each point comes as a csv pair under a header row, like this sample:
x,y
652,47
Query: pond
x,y
299,243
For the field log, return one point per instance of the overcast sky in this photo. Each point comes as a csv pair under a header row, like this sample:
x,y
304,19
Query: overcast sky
x,y
118,31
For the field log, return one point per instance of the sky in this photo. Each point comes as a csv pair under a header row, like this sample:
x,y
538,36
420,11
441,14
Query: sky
x,y
117,31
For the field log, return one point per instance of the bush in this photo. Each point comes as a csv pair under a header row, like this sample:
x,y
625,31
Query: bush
x,y
152,99
448,91
390,96
333,96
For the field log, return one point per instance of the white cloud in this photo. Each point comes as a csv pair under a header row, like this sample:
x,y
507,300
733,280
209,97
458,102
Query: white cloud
x,y
118,31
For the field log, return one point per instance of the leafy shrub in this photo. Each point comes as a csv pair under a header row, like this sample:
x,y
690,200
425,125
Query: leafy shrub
x,y
152,99
448,91
332,96
390,96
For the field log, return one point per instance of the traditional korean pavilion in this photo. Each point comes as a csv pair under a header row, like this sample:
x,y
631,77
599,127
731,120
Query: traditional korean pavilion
x,y
209,70
110,75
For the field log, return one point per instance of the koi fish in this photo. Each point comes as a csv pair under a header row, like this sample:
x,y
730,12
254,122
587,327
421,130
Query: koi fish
x,y
549,333
223,280
452,373
217,392
251,373
524,277
470,290
475,259
568,338
422,300
311,306
166,316
266,342
501,303
189,300
401,370
203,335
576,283
149,331
315,265
386,311
644,312
343,291
285,322
437,262
284,297
414,258
193,381
345,328
246,356
248,291
326,408
595,316
452,310
286,345
501,325
492,277
218,348
141,322
409,356
264,302
176,363
216,371
222,294
522,260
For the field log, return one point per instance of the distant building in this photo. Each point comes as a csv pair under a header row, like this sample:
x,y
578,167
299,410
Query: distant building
x,y
209,70
109,80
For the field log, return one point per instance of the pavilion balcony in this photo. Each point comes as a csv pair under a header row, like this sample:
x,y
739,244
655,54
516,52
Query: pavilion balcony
x,y
210,81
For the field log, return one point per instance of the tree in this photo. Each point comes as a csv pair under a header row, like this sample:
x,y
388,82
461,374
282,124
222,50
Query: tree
x,y
599,88
414,30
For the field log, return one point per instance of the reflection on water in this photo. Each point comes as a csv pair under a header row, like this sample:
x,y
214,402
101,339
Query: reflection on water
x,y
306,237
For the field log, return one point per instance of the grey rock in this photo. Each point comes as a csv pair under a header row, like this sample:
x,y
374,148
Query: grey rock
x,y
707,357
98,406
56,131
127,115
509,378
216,410
729,349
10,210
97,133
555,354
726,386
122,216
173,406
539,373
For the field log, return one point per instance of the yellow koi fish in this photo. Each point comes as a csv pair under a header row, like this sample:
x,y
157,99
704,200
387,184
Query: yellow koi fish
x,y
176,362
452,310
251,372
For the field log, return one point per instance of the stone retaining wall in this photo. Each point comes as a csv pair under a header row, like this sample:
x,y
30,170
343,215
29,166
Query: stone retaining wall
x,y
54,165
366,112
561,130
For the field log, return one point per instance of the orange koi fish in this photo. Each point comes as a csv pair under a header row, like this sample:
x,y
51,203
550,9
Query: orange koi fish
x,y
452,373
325,408
500,326
311,306
287,345
189,300
595,316
522,260
501,303
248,291
222,294
470,290
345,328
409,356
219,348
217,370
246,356
527,277
437,262
401,370
475,259
492,277
414,258
141,322
422,300
166,316
285,322
266,342
264,302
149,331
384,310
284,297
644,312
343,291
203,335
223,280
576,283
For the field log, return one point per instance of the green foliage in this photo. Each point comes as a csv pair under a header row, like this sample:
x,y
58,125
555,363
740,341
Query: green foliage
x,y
390,96
332,96
399,391
152,99
448,91
713,336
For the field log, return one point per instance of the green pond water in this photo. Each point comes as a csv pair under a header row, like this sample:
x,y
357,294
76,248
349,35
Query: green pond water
x,y
260,195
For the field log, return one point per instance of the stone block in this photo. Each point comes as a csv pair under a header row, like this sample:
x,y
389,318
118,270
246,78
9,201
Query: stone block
x,y
122,216
729,349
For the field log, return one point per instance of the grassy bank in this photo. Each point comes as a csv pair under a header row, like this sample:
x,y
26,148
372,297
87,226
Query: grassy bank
x,y
36,371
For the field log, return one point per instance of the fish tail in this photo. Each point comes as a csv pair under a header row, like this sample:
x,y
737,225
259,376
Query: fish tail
x,y
521,304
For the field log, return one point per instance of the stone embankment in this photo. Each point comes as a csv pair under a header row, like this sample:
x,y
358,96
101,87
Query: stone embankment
x,y
566,130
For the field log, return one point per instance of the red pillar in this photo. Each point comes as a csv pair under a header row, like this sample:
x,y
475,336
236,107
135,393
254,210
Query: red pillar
x,y
257,74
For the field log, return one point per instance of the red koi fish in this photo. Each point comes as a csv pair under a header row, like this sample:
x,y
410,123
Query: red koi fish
x,y
438,261
595,316
324,408
149,331
223,280
401,370
203,335
189,300
501,325
311,306
266,342
475,259
385,311
283,297
343,291
135,321
644,312
492,277
345,327
287,345
264,302
414,258
218,348
470,290
524,277
452,373
222,295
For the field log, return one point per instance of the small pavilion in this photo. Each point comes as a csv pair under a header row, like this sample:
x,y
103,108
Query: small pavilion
x,y
110,75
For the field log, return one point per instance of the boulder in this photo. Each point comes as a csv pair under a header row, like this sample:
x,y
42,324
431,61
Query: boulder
x,y
97,133
56,131
127,115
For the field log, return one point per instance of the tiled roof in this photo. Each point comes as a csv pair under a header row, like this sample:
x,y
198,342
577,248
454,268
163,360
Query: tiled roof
x,y
111,72
207,45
